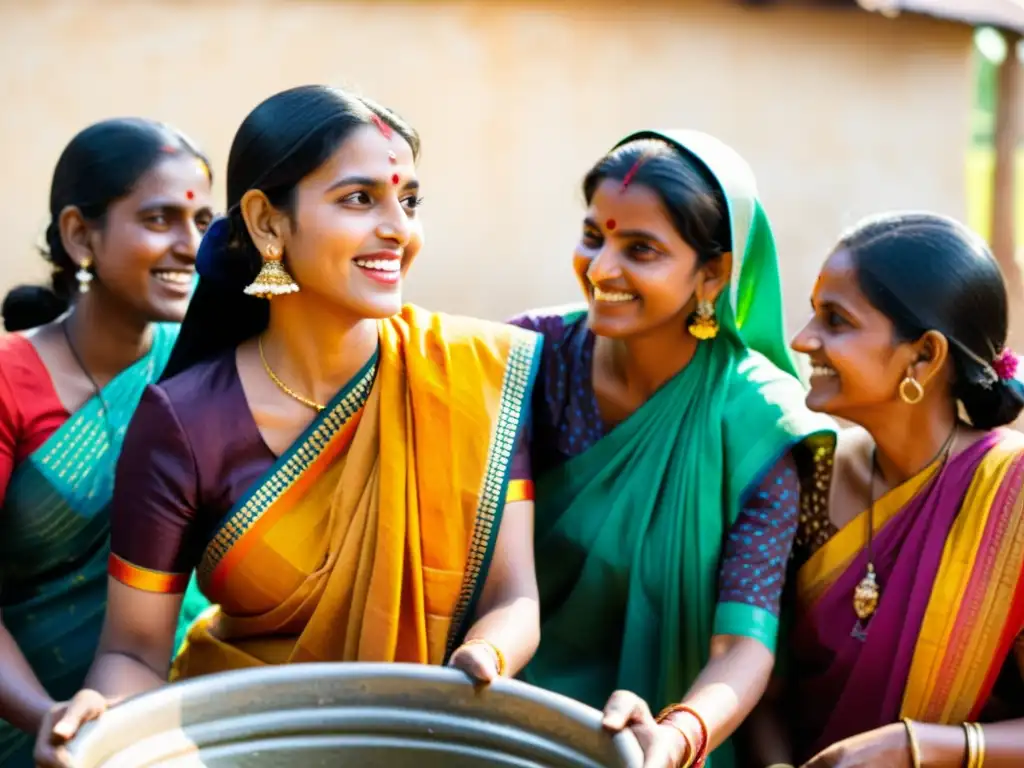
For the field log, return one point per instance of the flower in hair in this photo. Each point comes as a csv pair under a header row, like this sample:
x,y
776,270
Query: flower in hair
x,y
1005,365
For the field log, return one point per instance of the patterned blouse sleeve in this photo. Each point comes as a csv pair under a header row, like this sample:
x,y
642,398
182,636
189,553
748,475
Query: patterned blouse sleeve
x,y
154,540
756,556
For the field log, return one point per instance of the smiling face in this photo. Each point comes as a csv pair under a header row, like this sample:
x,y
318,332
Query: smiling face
x,y
355,231
858,363
145,251
637,272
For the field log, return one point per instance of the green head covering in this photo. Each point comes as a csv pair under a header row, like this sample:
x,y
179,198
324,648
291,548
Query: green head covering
x,y
751,309
630,533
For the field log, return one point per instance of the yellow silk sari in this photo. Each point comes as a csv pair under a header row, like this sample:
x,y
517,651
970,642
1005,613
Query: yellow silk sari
x,y
370,538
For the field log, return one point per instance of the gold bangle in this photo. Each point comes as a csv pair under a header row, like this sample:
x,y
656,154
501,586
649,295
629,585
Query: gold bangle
x,y
499,657
972,746
915,745
690,751
979,732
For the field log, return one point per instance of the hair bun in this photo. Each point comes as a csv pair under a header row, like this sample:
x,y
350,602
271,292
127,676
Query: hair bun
x,y
992,406
29,306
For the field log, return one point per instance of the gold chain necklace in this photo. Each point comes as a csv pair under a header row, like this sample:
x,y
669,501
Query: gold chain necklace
x,y
868,592
284,387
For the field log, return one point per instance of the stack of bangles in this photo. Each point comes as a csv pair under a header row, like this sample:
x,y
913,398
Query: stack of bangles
x,y
499,657
693,730
975,744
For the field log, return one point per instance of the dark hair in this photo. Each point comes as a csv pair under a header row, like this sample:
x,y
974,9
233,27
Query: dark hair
x,y
687,190
283,140
101,165
928,272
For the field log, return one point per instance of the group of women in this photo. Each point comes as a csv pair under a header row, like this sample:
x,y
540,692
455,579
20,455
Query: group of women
x,y
634,503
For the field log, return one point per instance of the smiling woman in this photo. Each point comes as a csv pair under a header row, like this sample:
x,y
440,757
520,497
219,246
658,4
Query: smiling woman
x,y
910,581
671,449
129,201
341,469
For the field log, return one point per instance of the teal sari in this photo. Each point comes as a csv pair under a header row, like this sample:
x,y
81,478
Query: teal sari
x,y
630,533
55,540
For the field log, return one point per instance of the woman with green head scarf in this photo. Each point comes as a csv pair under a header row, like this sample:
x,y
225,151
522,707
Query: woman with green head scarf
x,y
671,446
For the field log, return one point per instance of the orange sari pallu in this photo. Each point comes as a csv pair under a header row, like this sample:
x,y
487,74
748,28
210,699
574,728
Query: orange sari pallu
x,y
370,538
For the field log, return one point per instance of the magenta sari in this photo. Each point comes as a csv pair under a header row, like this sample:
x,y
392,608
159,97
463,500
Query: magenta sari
x,y
949,552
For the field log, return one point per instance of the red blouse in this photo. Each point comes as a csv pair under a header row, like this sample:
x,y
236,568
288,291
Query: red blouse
x,y
30,410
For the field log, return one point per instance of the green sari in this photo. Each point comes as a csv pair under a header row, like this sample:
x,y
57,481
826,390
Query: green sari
x,y
630,533
55,540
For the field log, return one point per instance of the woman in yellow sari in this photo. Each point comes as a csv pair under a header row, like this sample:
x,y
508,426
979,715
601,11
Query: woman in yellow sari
x,y
341,470
910,589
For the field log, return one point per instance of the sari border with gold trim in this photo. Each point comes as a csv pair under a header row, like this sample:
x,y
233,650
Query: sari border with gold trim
x,y
513,415
959,652
328,434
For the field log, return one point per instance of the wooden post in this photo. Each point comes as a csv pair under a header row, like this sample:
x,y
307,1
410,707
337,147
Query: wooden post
x,y
1007,135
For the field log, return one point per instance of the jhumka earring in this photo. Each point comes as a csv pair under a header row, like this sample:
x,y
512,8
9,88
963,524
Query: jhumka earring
x,y
83,275
702,323
273,279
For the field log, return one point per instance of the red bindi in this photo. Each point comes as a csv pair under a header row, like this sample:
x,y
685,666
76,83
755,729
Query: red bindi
x,y
190,195
395,179
610,224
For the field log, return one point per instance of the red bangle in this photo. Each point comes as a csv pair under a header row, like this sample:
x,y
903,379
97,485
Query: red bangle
x,y
700,753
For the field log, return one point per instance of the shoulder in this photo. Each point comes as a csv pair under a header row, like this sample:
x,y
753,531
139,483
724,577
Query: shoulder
x,y
852,462
553,323
22,367
197,396
187,410
441,330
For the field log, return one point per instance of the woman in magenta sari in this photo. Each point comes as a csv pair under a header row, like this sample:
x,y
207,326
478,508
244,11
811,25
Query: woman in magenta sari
x,y
910,588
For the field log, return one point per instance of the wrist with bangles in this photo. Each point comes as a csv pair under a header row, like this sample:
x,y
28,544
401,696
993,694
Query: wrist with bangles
x,y
691,726
973,733
499,657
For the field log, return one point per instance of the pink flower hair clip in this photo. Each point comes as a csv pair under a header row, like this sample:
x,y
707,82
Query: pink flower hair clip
x,y
1005,365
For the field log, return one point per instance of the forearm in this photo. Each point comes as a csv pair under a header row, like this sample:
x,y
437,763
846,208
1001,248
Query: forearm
x,y
946,745
730,685
513,626
117,676
23,699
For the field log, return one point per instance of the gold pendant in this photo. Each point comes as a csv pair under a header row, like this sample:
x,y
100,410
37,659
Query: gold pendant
x,y
866,595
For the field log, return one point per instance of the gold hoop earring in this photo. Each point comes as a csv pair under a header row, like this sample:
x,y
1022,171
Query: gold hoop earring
x,y
83,275
702,324
911,391
273,279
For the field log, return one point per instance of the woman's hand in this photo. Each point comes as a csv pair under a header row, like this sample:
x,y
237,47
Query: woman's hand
x,y
60,725
478,661
663,745
886,747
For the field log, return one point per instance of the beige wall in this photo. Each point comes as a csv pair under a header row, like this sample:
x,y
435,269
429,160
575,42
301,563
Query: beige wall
x,y
840,113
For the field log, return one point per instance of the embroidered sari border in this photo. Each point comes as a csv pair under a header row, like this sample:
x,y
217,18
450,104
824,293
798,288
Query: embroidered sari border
x,y
513,414
328,433
983,544
831,560
146,579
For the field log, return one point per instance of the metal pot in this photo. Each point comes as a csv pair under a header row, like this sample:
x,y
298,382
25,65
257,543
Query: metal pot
x,y
367,715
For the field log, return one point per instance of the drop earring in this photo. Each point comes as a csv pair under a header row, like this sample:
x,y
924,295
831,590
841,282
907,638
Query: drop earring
x,y
83,275
703,324
273,279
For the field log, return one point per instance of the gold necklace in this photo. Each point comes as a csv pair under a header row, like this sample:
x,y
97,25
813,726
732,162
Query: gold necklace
x,y
284,387
868,592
